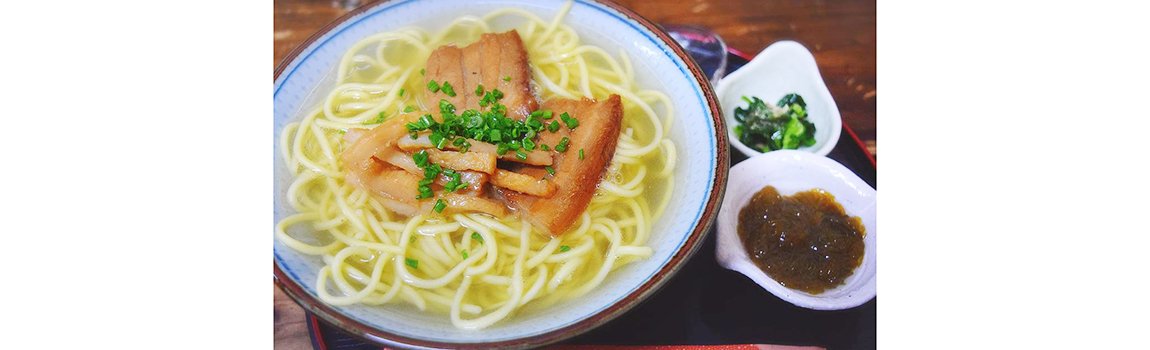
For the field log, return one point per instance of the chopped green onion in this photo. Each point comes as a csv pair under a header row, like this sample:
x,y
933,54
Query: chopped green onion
x,y
437,139
420,158
519,153
554,127
412,262
464,253
401,91
564,248
507,78
528,144
550,170
545,147
377,120
477,237
580,154
479,90
562,146
408,109
440,205
433,86
448,89
455,184
446,108
572,123
424,192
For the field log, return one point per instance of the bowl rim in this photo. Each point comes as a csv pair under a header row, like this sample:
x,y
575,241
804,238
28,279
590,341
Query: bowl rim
x,y
727,239
690,247
784,48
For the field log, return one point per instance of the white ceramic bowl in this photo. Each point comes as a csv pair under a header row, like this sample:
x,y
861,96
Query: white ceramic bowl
x,y
782,68
789,172
658,62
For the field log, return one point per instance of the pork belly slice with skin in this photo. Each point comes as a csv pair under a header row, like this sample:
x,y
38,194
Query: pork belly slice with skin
x,y
575,179
459,203
473,161
396,187
535,157
364,145
533,185
487,62
476,181
444,66
398,190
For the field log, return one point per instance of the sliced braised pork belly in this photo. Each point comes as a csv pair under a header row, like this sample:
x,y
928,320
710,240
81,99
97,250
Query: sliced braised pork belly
x,y
536,157
496,61
575,179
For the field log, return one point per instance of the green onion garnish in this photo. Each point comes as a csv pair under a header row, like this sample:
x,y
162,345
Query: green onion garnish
x,y
477,237
564,248
562,146
550,170
572,123
412,262
440,205
378,120
433,86
448,89
420,158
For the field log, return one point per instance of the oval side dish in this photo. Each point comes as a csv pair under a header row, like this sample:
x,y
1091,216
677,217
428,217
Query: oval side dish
x,y
793,172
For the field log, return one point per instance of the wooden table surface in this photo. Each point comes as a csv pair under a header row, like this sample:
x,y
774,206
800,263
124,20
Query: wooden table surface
x,y
840,34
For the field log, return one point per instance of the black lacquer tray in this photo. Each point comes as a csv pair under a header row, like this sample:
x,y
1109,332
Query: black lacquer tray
x,y
705,304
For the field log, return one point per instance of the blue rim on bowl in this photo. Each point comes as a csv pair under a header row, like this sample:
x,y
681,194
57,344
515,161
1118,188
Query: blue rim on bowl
x,y
698,200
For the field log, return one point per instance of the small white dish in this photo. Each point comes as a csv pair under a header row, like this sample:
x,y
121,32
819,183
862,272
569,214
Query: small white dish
x,y
782,68
791,171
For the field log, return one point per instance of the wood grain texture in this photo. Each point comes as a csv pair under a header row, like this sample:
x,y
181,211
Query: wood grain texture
x,y
290,322
841,35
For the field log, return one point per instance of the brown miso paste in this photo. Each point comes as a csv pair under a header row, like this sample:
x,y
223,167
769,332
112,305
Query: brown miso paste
x,y
805,241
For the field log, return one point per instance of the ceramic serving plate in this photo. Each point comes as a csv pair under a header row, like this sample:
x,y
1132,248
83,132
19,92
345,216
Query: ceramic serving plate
x,y
700,174
791,171
782,68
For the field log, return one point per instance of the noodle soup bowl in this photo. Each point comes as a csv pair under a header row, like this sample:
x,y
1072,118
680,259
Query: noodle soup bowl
x,y
700,172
